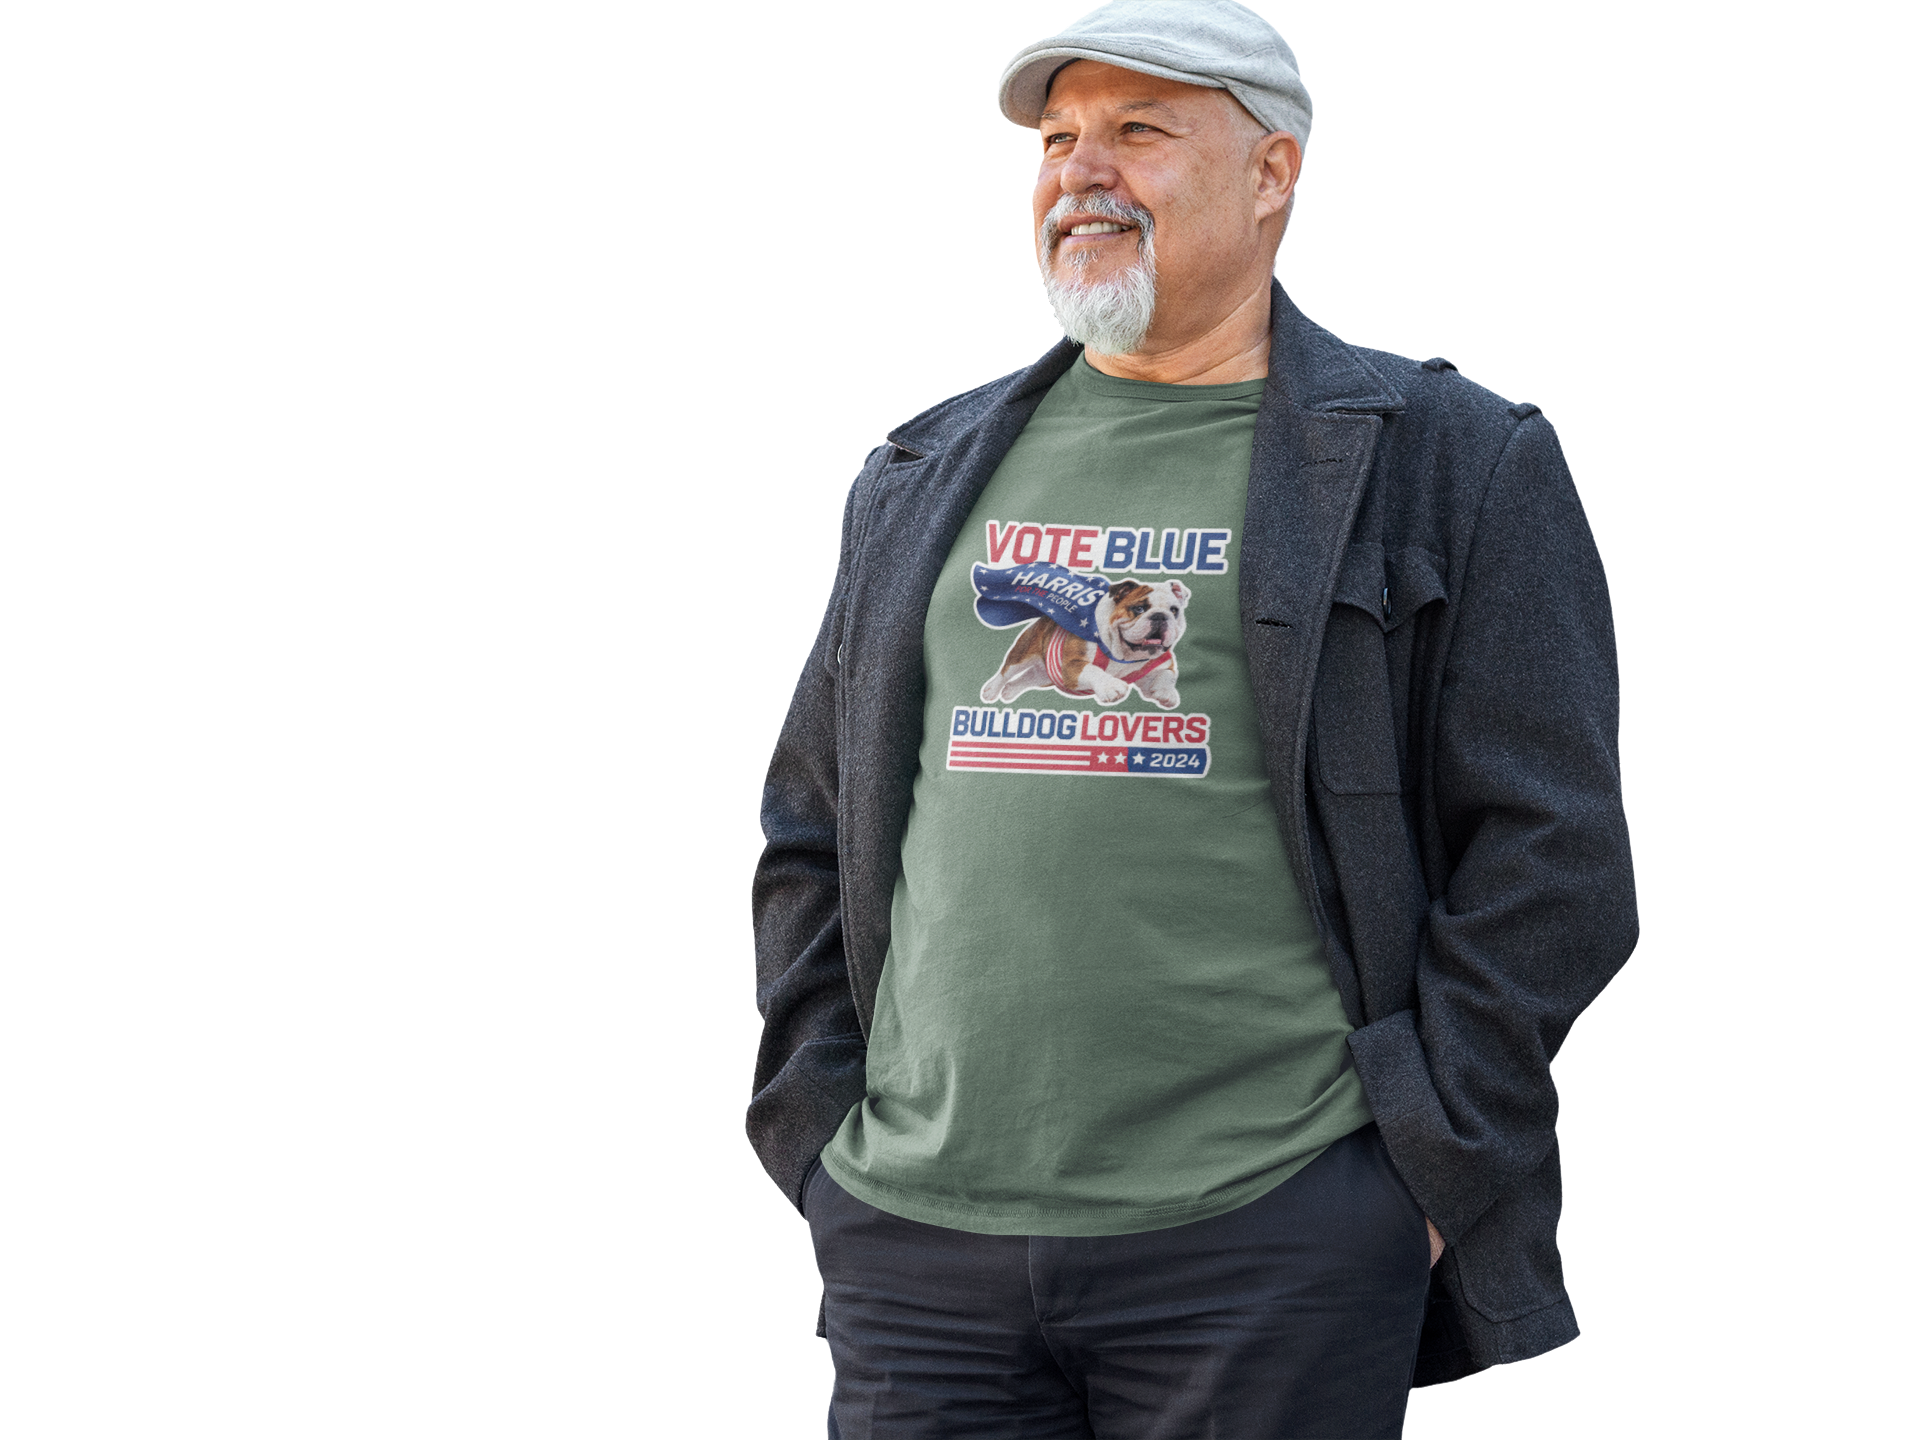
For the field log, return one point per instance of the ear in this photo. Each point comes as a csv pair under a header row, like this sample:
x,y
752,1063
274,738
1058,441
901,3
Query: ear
x,y
1121,588
1276,169
1180,592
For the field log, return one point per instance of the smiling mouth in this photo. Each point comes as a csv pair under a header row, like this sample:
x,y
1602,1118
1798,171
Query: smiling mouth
x,y
1098,227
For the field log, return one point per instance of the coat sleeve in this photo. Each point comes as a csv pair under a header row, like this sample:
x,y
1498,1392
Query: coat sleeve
x,y
811,1067
1537,912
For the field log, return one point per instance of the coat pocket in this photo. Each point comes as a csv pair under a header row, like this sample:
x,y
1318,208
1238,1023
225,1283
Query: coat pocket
x,y
1358,749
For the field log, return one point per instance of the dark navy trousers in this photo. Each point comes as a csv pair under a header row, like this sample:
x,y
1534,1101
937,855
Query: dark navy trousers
x,y
1296,1315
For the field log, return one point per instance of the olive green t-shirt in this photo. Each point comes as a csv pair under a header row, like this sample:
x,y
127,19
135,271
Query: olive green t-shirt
x,y
1105,1008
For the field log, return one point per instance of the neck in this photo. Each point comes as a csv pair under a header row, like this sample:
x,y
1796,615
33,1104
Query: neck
x,y
1233,347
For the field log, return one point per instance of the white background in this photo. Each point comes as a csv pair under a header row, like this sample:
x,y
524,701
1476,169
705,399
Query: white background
x,y
423,431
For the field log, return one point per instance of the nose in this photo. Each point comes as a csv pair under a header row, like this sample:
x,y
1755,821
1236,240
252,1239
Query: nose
x,y
1089,167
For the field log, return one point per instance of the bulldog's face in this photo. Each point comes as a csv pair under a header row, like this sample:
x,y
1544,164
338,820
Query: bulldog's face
x,y
1139,621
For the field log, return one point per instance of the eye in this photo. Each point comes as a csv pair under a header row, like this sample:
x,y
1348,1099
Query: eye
x,y
1173,610
1134,127
1059,139
1139,609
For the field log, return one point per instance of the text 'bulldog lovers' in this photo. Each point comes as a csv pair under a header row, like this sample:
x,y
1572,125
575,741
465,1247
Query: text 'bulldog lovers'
x,y
1085,635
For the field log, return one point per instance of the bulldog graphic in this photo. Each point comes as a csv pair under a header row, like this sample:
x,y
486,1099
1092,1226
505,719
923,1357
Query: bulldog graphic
x,y
1138,626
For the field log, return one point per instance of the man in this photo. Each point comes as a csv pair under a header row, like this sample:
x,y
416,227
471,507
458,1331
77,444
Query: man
x,y
1195,830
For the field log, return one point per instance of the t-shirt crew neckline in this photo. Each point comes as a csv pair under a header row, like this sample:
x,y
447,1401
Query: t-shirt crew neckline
x,y
1101,383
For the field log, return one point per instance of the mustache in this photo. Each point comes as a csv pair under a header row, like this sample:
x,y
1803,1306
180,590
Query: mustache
x,y
1100,205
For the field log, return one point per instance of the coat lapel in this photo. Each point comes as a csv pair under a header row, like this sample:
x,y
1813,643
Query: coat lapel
x,y
1312,453
911,521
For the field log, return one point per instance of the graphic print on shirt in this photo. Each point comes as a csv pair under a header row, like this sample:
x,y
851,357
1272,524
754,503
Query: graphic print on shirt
x,y
1086,636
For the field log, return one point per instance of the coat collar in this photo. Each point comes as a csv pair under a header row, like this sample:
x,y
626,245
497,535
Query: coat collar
x,y
1310,368
1314,369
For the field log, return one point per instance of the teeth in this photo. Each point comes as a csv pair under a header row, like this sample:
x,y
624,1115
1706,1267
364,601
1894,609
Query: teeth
x,y
1098,227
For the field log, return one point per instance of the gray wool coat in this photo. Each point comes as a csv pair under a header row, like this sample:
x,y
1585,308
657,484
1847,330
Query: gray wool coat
x,y
1427,625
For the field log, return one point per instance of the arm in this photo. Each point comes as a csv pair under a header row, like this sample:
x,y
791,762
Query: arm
x,y
1538,908
811,1067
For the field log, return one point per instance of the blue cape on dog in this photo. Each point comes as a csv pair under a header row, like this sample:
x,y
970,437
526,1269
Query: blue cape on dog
x,y
1013,597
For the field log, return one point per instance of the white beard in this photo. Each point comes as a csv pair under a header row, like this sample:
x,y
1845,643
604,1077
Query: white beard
x,y
1111,316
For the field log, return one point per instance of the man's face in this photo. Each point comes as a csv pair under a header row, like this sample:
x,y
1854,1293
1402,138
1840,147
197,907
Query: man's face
x,y
1184,153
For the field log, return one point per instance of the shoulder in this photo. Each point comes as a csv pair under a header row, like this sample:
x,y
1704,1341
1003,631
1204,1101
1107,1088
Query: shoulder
x,y
939,426
928,433
1450,435
1440,401
1444,450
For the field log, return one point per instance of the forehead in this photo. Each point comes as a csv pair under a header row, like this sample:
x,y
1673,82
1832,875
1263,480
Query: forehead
x,y
1092,84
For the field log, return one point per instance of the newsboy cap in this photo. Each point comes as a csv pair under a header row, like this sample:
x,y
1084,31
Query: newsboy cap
x,y
1215,43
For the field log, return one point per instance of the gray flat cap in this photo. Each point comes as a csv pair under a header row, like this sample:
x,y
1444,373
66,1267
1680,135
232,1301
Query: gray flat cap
x,y
1203,42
